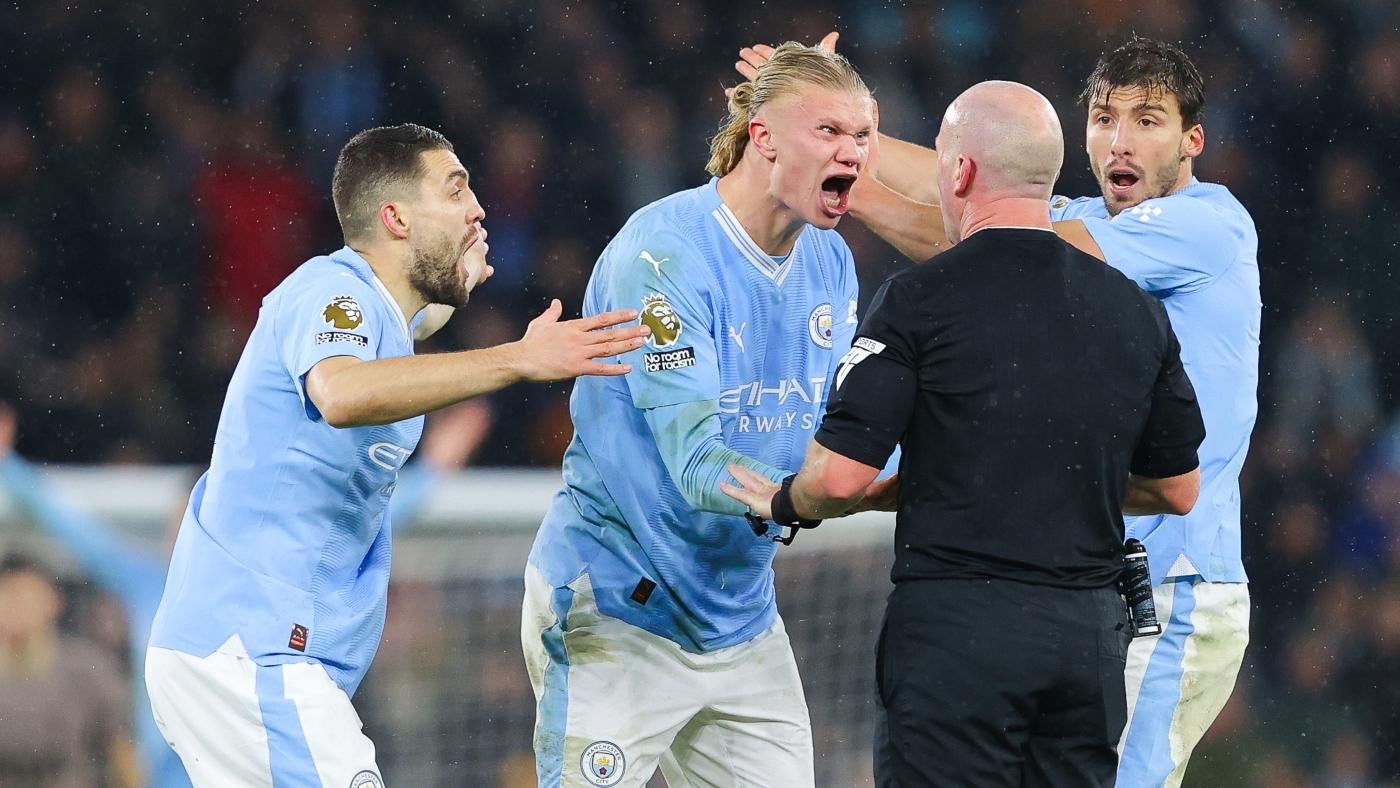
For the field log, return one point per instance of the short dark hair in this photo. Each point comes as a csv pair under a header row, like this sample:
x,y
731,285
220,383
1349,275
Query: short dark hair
x,y
1155,66
374,162
20,563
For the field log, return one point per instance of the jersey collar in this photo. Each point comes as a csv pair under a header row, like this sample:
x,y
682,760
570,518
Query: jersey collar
x,y
352,259
739,237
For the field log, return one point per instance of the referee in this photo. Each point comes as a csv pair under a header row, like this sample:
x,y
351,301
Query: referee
x,y
1038,395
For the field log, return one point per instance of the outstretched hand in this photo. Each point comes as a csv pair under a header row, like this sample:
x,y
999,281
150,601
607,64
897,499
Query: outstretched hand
x,y
751,58
555,350
753,490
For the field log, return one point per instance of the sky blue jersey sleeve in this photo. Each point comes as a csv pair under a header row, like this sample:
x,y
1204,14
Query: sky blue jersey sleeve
x,y
326,317
690,440
675,377
1167,245
664,277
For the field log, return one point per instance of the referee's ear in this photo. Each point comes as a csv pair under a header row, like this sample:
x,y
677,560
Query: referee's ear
x,y
963,173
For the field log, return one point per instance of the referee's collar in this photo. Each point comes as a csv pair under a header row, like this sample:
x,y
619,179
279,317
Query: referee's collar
x,y
1011,227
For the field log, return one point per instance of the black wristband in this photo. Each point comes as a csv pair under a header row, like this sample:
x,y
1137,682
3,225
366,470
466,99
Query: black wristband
x,y
783,511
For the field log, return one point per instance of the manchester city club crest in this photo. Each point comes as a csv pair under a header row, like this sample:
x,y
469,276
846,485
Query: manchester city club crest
x,y
819,325
602,763
366,779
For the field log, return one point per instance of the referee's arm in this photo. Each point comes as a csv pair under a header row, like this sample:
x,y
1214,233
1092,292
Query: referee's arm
x,y
1165,472
874,395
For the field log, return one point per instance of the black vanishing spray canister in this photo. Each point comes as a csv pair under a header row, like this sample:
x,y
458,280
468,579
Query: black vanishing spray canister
x,y
1136,586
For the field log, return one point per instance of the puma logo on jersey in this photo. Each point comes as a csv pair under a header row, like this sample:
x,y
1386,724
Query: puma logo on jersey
x,y
738,336
645,256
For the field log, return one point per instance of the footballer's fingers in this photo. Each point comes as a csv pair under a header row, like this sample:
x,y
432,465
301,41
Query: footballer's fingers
x,y
746,497
606,370
614,348
752,480
549,315
755,492
751,58
606,319
616,334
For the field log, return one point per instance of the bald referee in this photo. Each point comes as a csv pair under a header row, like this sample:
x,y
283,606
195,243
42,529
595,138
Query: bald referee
x,y
1038,395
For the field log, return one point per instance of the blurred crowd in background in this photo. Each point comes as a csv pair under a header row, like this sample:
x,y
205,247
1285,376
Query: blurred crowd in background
x,y
162,166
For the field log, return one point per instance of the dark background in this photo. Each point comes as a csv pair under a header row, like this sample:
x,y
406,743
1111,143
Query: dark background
x,y
162,166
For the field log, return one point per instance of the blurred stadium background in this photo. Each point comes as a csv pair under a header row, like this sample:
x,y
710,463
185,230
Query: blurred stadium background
x,y
163,165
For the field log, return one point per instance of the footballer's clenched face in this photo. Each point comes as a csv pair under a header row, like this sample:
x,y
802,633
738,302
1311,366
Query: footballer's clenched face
x,y
818,141
446,237
1138,147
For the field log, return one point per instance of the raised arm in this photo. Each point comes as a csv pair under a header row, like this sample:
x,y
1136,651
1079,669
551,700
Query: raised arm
x,y
897,194
871,402
349,392
913,228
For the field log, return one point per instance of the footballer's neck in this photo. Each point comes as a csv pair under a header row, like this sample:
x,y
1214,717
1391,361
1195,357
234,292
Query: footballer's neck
x,y
390,264
1183,178
771,225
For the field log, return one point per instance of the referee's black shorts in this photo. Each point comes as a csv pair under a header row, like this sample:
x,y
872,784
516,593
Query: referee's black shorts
x,y
997,683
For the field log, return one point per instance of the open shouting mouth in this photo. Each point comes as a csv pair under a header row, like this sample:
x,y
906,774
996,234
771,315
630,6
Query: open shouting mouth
x,y
1121,180
836,193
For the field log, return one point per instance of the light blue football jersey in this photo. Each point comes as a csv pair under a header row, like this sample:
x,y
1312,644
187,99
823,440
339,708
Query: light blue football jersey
x,y
733,329
285,541
1196,250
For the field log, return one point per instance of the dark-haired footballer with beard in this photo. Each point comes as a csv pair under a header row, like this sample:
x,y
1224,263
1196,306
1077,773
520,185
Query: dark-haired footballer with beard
x,y
274,603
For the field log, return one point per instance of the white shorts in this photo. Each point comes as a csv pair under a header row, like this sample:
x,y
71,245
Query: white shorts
x,y
615,701
1179,681
236,723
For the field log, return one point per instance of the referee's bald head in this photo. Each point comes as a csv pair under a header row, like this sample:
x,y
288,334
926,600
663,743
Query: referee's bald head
x,y
1012,135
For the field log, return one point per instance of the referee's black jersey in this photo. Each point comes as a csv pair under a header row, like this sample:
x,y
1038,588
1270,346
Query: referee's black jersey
x,y
1024,379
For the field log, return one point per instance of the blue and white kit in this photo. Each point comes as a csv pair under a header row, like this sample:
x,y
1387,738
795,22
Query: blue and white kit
x,y
275,598
650,629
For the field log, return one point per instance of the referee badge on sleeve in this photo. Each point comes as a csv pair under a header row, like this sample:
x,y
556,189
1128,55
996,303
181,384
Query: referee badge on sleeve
x,y
861,349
